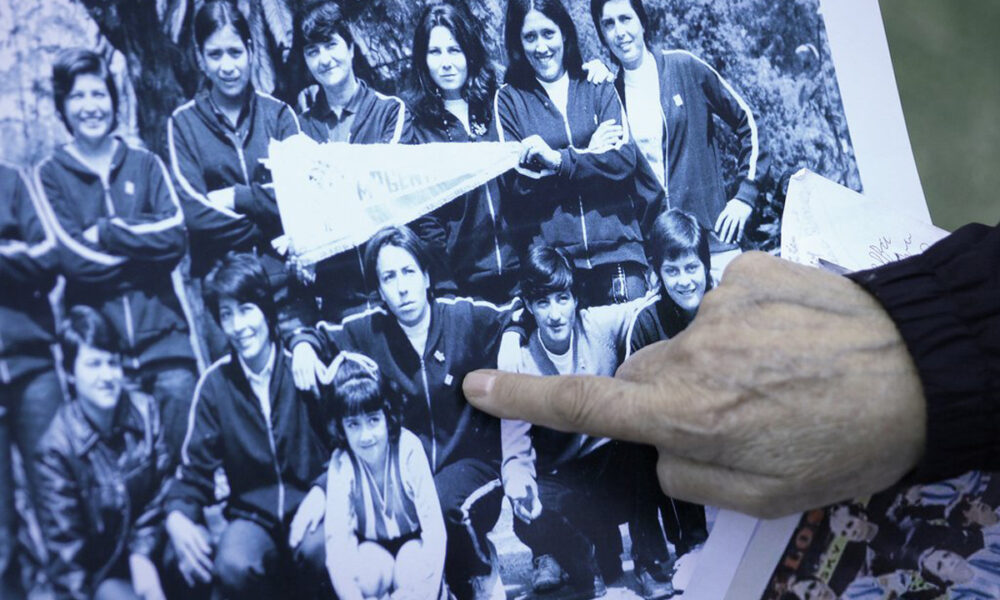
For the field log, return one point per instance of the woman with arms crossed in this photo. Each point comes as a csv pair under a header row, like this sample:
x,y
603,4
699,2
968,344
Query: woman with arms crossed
x,y
590,196
216,142
121,232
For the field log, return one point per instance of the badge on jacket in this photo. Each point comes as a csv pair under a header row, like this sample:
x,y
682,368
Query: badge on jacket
x,y
678,100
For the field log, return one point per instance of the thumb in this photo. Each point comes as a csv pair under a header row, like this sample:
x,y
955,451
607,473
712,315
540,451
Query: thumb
x,y
599,406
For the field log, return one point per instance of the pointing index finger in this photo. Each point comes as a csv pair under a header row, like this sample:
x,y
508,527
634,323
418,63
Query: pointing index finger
x,y
599,406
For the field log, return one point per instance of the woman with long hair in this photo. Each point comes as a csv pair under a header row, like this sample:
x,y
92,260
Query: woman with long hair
x,y
589,195
217,141
451,97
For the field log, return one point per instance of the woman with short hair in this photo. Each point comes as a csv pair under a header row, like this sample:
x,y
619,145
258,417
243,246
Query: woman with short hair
x,y
102,466
425,345
114,213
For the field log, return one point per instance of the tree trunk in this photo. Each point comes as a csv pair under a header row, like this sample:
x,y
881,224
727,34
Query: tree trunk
x,y
163,73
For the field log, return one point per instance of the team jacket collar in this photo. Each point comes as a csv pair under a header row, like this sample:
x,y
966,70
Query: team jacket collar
x,y
66,159
239,377
400,346
541,357
321,108
214,120
661,64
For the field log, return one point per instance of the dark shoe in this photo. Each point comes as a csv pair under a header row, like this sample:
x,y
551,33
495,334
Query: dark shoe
x,y
651,587
547,574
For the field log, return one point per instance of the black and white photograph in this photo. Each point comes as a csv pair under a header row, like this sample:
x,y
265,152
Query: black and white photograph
x,y
250,249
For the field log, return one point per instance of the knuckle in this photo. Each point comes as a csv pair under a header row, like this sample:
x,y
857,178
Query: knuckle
x,y
570,402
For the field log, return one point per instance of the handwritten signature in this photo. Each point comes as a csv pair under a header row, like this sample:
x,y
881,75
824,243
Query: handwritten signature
x,y
882,251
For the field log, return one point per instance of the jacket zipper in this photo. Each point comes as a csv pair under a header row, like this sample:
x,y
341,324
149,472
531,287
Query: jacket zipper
x,y
496,240
277,468
239,154
579,198
126,306
430,413
666,157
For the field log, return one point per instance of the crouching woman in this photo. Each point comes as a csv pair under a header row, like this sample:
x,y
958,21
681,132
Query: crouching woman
x,y
102,464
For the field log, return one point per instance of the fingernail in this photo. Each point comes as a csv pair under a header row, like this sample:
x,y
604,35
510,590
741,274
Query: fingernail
x,y
478,385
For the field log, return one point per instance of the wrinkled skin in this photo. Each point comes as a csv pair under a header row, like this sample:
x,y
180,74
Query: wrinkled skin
x,y
791,389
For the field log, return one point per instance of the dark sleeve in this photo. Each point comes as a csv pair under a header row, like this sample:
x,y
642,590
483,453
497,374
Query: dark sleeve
x,y
489,323
946,305
328,339
155,236
644,330
61,515
509,129
615,162
193,486
729,105
257,200
200,215
650,199
148,528
30,261
79,260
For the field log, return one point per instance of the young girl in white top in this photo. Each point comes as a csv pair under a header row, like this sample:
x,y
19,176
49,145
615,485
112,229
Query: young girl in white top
x,y
385,532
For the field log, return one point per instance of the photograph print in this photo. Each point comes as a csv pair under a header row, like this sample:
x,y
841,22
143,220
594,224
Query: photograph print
x,y
190,408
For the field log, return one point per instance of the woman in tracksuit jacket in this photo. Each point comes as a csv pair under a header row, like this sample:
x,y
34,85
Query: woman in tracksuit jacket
x,y
30,393
216,165
359,115
587,201
462,443
121,235
679,253
248,419
680,135
452,101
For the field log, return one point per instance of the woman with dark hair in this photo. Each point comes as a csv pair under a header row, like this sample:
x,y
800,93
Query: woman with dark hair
x,y
566,490
121,231
672,99
248,419
344,109
588,195
679,251
102,468
424,345
384,531
451,97
217,141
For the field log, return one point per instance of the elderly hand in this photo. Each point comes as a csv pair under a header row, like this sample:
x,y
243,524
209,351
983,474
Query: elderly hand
x,y
791,389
